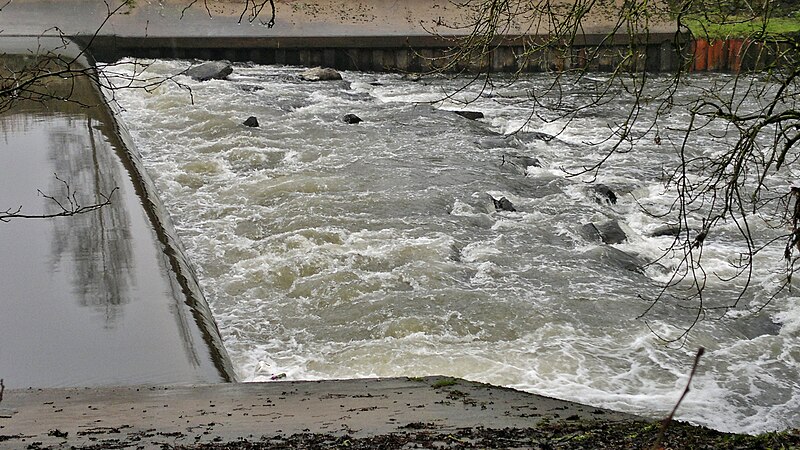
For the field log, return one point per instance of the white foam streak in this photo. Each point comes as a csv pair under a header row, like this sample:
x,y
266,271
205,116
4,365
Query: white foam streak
x,y
330,250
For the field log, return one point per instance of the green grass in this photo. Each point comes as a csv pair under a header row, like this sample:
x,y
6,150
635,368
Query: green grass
x,y
740,27
444,383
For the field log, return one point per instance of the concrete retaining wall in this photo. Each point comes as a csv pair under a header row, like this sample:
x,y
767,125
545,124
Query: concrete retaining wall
x,y
397,53
368,35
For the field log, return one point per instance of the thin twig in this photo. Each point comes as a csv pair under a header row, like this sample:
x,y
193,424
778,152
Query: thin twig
x,y
68,207
668,420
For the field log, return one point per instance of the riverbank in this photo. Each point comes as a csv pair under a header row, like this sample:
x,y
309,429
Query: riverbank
x,y
434,412
157,415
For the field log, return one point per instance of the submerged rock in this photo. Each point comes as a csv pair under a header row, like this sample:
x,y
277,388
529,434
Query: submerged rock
x,y
608,232
667,230
320,74
518,140
503,204
590,232
351,118
526,161
251,121
251,88
512,162
211,70
499,141
530,136
617,258
755,325
604,194
471,115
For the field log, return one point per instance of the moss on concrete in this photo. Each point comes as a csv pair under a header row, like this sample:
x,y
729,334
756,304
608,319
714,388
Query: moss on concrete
x,y
565,434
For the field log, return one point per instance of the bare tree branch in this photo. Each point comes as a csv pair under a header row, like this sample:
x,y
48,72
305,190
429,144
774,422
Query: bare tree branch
x,y
668,420
67,204
253,12
734,187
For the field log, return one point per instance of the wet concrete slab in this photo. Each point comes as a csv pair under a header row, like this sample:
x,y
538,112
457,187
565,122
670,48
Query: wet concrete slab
x,y
103,297
149,417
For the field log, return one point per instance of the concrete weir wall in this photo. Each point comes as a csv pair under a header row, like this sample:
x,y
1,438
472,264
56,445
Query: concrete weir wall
x,y
105,297
367,35
392,53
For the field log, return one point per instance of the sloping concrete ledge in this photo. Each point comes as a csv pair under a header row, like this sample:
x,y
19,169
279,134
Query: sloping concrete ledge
x,y
150,416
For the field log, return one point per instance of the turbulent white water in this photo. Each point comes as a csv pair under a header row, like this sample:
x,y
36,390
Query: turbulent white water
x,y
329,250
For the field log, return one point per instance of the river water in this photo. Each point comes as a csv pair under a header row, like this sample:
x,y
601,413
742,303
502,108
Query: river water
x,y
331,250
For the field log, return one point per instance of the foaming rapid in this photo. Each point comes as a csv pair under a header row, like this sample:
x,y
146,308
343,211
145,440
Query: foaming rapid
x,y
331,250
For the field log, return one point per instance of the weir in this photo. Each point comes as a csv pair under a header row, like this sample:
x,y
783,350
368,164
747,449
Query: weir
x,y
104,297
108,297
365,35
88,301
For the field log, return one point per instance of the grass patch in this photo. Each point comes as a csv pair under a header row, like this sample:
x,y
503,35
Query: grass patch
x,y
444,383
742,27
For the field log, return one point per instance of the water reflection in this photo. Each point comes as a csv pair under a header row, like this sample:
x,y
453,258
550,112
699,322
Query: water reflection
x,y
98,242
99,298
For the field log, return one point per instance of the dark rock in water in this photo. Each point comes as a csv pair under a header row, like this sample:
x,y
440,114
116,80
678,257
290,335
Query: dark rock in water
x,y
590,232
251,88
667,230
455,253
617,258
471,115
528,161
503,204
357,96
530,136
519,163
611,232
518,140
251,122
608,232
320,74
351,118
499,141
604,194
753,326
212,70
536,187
